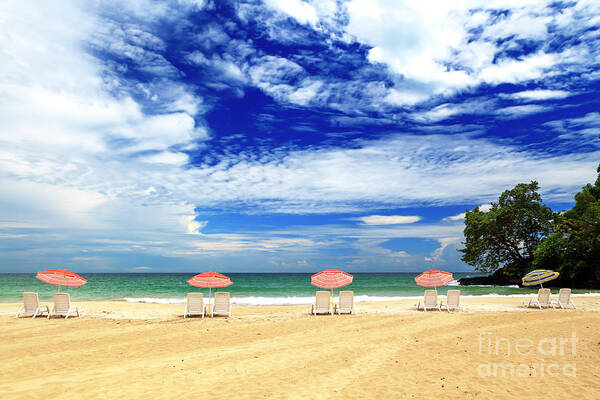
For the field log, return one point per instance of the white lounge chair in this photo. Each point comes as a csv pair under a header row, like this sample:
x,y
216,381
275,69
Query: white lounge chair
x,y
64,308
564,299
194,305
322,303
32,306
429,301
542,300
222,304
345,302
452,301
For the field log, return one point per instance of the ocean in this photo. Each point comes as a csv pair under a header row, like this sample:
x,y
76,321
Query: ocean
x,y
248,289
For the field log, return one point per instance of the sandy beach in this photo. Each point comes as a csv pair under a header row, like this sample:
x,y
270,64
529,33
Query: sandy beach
x,y
142,351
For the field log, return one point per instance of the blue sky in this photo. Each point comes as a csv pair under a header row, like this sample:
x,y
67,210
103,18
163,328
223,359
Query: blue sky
x,y
284,135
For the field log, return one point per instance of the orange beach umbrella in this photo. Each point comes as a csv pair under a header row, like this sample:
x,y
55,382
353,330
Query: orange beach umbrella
x,y
61,277
210,280
434,278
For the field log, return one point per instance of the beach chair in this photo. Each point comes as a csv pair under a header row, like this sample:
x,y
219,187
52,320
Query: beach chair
x,y
222,304
322,303
564,299
452,301
542,300
429,301
194,305
345,302
31,305
64,308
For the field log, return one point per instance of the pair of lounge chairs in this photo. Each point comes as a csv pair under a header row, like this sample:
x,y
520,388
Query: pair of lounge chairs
x,y
195,305
322,303
543,299
62,306
430,301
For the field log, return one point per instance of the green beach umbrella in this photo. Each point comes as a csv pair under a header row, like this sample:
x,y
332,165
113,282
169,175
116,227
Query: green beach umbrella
x,y
539,276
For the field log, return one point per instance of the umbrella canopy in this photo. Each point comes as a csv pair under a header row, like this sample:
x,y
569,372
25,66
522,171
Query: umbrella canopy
x,y
61,277
331,279
539,276
434,278
210,280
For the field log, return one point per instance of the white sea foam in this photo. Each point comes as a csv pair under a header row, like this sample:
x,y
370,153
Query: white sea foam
x,y
266,301
158,300
301,300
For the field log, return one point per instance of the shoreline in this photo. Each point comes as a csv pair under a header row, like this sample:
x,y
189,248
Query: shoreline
x,y
268,301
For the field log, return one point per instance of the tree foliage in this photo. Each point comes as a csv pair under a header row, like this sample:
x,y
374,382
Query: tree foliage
x,y
507,235
574,248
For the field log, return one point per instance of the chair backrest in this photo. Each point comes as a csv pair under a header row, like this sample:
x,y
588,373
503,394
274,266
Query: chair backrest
x,y
30,302
564,296
346,300
322,299
430,298
544,296
221,302
62,302
453,298
195,302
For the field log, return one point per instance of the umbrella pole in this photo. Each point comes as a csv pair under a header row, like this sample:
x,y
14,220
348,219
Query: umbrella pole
x,y
332,302
209,291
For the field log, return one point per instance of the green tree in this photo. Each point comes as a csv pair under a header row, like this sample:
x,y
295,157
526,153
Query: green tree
x,y
508,234
574,249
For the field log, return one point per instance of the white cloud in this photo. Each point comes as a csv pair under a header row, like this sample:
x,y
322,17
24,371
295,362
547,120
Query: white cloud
x,y
518,70
305,93
458,217
389,219
405,97
461,216
166,157
519,111
444,242
194,227
433,44
485,207
540,94
579,130
447,110
300,10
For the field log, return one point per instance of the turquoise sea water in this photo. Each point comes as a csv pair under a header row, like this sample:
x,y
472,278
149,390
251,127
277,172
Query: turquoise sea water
x,y
259,289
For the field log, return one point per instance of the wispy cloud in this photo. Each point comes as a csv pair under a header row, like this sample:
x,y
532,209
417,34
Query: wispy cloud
x,y
389,219
519,111
539,94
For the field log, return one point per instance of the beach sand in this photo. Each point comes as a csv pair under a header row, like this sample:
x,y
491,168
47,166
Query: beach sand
x,y
148,351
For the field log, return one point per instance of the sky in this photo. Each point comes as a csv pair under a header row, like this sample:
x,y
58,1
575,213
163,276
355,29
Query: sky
x,y
283,135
